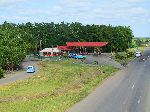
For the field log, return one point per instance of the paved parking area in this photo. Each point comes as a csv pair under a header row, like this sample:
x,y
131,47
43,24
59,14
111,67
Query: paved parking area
x,y
104,59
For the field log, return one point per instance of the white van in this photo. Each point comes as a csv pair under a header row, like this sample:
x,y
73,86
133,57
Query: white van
x,y
138,53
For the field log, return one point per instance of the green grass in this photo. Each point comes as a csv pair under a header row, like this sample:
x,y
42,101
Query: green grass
x,y
55,88
135,49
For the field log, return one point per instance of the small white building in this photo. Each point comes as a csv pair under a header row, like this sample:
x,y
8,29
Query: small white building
x,y
50,52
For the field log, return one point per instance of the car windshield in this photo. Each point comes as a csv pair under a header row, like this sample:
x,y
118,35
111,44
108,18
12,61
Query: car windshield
x,y
30,67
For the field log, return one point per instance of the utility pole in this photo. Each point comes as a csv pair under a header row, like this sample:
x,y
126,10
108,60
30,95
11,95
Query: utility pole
x,y
52,50
40,45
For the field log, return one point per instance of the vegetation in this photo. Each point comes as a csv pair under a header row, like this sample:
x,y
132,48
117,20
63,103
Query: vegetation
x,y
1,73
12,46
16,40
56,87
51,34
124,57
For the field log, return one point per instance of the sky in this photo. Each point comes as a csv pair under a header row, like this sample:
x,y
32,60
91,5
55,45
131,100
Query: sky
x,y
133,13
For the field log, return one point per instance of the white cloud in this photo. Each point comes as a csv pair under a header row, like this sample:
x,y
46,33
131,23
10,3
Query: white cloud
x,y
87,11
6,2
109,9
115,12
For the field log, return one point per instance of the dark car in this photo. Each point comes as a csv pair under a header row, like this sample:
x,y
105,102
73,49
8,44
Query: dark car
x,y
71,55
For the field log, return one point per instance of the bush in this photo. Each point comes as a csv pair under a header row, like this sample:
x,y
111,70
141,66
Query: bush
x,y
130,54
1,73
119,56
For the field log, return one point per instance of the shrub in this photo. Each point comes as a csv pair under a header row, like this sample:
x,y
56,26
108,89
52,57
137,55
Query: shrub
x,y
130,54
1,73
119,56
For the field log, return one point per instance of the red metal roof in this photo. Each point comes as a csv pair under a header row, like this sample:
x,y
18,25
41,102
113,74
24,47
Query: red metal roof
x,y
65,48
89,44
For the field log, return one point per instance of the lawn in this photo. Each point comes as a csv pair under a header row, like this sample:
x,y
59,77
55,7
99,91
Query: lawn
x,y
55,88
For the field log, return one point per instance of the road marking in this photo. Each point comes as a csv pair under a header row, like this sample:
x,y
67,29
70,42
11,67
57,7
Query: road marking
x,y
139,101
133,86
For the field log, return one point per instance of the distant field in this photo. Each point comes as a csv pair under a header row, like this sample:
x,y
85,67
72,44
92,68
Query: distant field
x,y
56,87
135,49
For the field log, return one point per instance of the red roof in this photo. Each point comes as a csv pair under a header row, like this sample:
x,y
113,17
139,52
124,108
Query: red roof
x,y
65,48
89,44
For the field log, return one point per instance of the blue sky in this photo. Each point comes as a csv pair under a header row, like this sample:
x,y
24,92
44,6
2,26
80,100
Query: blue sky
x,y
134,13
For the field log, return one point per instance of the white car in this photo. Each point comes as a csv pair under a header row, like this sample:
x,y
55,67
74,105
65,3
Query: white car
x,y
138,54
30,69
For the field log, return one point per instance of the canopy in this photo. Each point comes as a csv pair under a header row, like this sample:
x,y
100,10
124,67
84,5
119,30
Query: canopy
x,y
64,48
87,44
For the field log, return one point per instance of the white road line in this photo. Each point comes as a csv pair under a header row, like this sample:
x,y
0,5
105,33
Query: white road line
x,y
139,100
133,86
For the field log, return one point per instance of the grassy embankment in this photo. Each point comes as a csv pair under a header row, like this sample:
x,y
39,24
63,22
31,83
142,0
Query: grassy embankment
x,y
56,87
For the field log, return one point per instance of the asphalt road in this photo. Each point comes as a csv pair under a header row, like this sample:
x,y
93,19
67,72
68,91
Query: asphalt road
x,y
127,91
19,75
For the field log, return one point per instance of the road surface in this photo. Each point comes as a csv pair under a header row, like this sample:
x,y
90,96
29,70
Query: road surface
x,y
104,59
127,91
19,75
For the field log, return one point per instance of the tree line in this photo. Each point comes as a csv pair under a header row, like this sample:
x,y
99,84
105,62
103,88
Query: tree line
x,y
16,40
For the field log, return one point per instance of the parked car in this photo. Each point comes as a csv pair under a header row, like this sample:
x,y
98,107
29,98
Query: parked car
x,y
79,57
71,55
76,56
138,53
30,69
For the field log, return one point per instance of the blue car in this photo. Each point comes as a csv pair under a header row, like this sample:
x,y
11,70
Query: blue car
x,y
76,56
30,69
79,57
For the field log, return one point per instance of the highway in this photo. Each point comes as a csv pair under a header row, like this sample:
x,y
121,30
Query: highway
x,y
127,91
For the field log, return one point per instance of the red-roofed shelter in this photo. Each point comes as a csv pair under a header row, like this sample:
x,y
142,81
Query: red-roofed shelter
x,y
64,48
86,44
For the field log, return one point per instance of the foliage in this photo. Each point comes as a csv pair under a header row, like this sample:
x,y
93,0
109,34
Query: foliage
x,y
12,46
1,73
130,54
16,40
51,34
120,56
124,57
56,87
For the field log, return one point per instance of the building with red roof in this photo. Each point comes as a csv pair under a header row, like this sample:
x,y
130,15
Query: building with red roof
x,y
87,44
